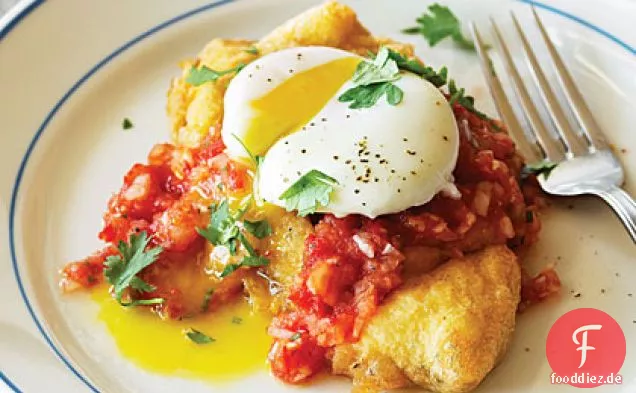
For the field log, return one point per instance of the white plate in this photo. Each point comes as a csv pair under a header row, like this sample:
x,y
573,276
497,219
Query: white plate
x,y
70,70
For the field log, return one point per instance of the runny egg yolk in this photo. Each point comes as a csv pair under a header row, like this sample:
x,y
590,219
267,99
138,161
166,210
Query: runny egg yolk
x,y
308,91
240,346
274,97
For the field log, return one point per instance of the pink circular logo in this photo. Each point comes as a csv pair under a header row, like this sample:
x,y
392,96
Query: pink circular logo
x,y
586,348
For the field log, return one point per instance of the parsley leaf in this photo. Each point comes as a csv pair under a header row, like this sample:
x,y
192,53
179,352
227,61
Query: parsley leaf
x,y
372,80
260,229
544,168
198,337
439,24
309,192
121,270
204,74
127,124
249,261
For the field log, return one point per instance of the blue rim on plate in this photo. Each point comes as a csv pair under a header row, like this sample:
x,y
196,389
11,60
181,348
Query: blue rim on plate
x,y
13,22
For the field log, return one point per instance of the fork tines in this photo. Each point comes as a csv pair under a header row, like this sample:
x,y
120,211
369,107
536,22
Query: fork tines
x,y
567,142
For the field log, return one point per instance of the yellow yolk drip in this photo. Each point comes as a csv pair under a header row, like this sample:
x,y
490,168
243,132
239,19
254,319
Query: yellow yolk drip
x,y
307,93
240,348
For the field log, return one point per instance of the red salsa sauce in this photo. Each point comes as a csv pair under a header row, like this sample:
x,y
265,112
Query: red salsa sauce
x,y
350,264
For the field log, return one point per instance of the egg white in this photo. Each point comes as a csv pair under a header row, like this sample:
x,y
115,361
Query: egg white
x,y
385,158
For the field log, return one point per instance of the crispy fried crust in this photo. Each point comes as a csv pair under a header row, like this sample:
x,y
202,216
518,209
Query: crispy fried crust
x,y
195,111
444,331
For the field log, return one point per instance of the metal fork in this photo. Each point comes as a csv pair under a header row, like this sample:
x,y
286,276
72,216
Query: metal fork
x,y
586,165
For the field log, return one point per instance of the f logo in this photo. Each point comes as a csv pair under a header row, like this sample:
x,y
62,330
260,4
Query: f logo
x,y
584,347
585,341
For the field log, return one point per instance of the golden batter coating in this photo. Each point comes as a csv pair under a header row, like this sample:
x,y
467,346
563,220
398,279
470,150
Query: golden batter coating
x,y
195,111
444,331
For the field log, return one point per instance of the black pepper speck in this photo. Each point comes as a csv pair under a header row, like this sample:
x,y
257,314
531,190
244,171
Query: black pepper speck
x,y
303,151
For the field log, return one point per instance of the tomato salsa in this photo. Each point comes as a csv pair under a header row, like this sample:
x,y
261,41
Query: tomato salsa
x,y
349,264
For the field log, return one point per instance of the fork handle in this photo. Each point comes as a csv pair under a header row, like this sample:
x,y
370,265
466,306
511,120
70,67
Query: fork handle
x,y
624,207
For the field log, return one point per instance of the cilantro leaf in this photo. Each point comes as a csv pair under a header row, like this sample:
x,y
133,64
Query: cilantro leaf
x,y
252,50
309,192
121,270
249,261
438,24
222,227
372,80
204,74
224,230
366,96
438,79
260,229
198,337
127,124
544,168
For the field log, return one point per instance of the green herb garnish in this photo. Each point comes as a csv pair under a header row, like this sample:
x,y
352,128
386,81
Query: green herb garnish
x,y
252,50
248,261
206,299
198,337
439,79
204,74
295,336
121,270
222,228
544,168
126,124
373,80
438,24
309,192
226,229
237,320
260,229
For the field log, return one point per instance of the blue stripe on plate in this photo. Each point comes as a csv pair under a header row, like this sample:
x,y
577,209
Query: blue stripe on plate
x,y
583,22
4,30
11,23
8,382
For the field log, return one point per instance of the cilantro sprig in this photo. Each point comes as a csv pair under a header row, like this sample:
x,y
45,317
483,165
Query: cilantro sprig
x,y
438,24
372,80
204,74
544,168
439,79
121,270
226,229
310,191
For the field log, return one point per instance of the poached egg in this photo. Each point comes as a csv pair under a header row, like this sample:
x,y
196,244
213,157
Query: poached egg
x,y
386,158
